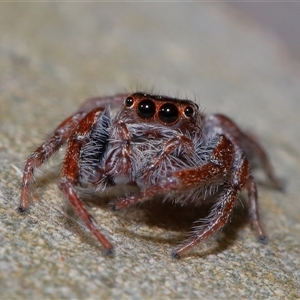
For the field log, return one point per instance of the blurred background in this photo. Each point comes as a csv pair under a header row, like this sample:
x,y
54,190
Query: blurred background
x,y
236,58
281,18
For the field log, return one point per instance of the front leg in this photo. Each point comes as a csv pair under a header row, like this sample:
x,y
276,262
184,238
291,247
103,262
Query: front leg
x,y
227,167
179,147
216,220
223,207
213,171
42,154
60,136
70,173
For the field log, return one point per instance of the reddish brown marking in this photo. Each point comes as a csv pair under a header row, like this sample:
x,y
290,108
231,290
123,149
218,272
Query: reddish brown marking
x,y
161,100
70,173
70,167
69,191
222,159
42,153
146,194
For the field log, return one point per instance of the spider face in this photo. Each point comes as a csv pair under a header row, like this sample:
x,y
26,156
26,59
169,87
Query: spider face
x,y
163,110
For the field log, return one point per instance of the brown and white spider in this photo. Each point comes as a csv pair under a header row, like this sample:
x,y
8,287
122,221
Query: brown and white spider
x,y
162,145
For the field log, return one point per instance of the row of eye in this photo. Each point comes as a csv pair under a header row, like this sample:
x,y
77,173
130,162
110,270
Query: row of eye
x,y
168,112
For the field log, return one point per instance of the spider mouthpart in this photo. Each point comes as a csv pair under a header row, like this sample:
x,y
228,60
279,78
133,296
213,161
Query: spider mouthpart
x,y
146,109
129,102
168,113
189,112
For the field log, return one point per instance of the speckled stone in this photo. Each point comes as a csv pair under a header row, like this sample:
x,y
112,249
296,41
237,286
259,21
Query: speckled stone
x,y
52,57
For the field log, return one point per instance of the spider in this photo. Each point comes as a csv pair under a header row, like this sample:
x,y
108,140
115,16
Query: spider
x,y
165,147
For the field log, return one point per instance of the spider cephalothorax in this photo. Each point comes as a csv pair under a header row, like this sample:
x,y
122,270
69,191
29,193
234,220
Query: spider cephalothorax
x,y
162,145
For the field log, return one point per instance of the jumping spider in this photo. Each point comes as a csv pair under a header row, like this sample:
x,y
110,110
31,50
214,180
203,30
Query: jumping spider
x,y
162,145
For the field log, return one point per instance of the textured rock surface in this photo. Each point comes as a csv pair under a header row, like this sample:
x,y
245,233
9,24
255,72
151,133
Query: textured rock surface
x,y
52,57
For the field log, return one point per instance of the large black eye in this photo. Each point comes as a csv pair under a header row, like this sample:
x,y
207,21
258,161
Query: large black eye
x,y
146,109
189,111
129,102
168,113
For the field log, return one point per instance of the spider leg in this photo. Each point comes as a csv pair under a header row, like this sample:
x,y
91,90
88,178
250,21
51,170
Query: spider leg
x,y
71,171
98,102
224,204
253,210
43,153
217,219
179,141
249,144
182,180
224,158
260,152
52,145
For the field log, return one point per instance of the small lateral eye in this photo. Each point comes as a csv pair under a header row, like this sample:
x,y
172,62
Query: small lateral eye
x,y
129,102
189,111
146,109
168,113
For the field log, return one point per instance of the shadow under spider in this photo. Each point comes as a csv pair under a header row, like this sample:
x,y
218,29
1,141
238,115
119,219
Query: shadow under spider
x,y
174,218
160,214
182,219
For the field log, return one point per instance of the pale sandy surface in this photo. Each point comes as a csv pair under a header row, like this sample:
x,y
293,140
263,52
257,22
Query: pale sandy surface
x,y
52,57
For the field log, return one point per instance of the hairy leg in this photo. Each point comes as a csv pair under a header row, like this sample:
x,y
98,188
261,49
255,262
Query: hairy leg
x,y
178,181
42,154
70,173
253,210
250,145
216,220
223,207
58,138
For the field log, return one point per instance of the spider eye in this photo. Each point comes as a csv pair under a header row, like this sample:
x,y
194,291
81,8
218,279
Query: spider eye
x,y
129,102
189,111
168,113
146,109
